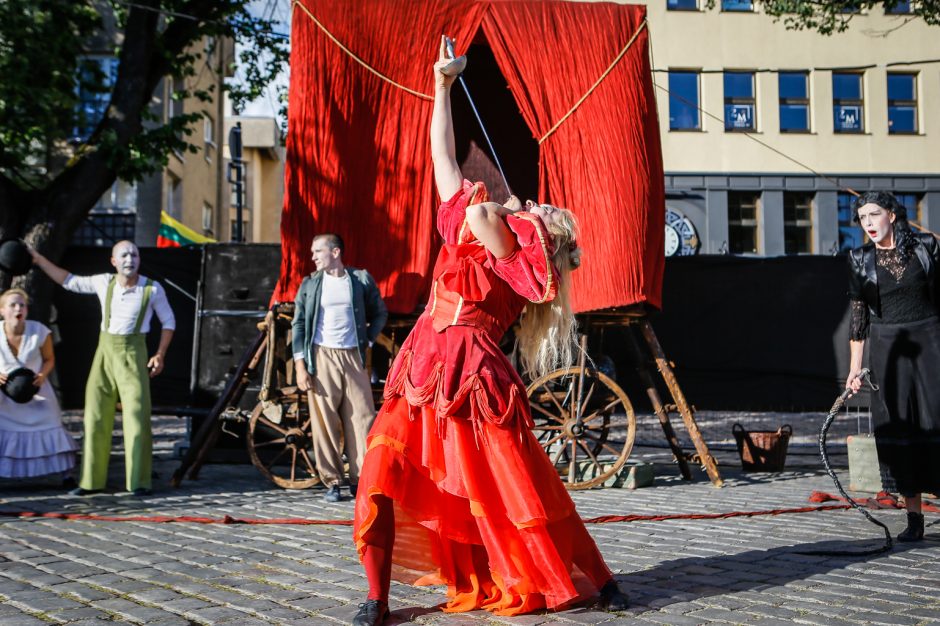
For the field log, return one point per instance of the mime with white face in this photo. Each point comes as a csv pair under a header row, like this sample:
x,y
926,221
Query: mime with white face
x,y
121,369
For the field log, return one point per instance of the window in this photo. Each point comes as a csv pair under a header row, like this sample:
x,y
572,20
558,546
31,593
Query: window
x,y
797,223
902,103
174,197
103,230
739,101
209,49
683,101
743,210
208,135
848,102
901,7
96,76
737,5
911,202
206,218
120,198
850,233
682,5
246,230
177,93
794,101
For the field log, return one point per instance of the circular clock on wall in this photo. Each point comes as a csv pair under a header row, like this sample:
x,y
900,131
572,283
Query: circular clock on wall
x,y
681,238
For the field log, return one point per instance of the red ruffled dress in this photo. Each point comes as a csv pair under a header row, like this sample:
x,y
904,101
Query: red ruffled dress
x,y
478,505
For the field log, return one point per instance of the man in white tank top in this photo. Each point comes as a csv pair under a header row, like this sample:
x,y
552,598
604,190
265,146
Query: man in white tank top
x,y
338,314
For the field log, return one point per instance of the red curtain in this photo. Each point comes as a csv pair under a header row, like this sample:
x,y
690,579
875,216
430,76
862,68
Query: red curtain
x,y
358,154
605,161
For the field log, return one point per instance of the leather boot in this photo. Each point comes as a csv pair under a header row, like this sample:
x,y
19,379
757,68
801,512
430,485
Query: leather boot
x,y
371,613
915,528
612,598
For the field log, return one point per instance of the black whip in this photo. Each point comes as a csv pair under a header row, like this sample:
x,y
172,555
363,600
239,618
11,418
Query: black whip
x,y
824,453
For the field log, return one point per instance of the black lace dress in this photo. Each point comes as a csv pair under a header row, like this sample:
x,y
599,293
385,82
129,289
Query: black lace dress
x,y
904,357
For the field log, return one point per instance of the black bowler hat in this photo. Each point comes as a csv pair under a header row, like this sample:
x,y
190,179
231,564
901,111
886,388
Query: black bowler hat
x,y
15,257
19,386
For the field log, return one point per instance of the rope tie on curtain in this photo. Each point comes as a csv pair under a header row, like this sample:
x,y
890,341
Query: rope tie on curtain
x,y
598,82
298,3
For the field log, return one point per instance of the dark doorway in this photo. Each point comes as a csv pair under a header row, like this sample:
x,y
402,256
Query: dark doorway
x,y
518,151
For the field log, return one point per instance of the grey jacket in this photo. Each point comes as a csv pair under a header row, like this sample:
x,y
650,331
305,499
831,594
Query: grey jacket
x,y
368,309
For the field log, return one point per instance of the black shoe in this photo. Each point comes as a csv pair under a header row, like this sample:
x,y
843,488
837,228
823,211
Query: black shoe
x,y
612,598
915,528
78,491
333,494
353,488
69,483
371,613
142,491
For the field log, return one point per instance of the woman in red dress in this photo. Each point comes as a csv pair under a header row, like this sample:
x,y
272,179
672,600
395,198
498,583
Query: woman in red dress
x,y
455,490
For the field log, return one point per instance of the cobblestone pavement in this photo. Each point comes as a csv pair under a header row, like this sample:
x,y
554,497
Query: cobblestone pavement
x,y
738,570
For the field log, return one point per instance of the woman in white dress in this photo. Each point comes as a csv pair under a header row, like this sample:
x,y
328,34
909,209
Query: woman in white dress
x,y
33,441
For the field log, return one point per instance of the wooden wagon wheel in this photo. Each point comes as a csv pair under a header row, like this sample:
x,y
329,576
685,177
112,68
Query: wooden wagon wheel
x,y
282,449
585,423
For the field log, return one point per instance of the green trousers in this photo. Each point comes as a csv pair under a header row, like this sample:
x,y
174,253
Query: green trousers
x,y
119,371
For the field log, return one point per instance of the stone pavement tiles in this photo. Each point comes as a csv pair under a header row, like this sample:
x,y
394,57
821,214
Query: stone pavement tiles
x,y
739,570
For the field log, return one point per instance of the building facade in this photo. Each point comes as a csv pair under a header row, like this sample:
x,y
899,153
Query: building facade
x,y
189,188
263,157
766,132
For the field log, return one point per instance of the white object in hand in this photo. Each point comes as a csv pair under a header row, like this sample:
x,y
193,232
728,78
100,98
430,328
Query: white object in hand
x,y
456,65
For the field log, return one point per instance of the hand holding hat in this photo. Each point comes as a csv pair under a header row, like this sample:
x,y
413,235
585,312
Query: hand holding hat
x,y
15,257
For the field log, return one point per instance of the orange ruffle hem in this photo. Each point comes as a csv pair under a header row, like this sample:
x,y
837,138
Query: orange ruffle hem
x,y
478,506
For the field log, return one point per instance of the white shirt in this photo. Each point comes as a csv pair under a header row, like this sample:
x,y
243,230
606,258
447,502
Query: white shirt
x,y
336,323
125,302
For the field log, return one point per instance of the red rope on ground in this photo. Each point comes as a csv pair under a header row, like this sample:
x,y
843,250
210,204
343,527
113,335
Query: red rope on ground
x,y
604,519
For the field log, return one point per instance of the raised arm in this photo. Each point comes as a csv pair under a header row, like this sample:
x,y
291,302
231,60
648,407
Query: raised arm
x,y
487,223
443,151
51,270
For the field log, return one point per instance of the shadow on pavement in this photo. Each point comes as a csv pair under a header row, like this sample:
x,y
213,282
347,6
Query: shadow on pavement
x,y
691,578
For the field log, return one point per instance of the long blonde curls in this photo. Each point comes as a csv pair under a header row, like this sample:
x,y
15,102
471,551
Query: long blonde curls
x,y
548,330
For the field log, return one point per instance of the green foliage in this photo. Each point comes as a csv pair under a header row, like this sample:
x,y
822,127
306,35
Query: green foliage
x,y
833,16
52,52
39,44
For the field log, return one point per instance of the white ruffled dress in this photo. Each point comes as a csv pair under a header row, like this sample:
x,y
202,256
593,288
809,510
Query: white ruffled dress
x,y
33,441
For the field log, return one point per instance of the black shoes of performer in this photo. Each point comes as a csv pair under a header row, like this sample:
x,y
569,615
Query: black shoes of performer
x,y
141,491
915,528
333,494
353,488
612,598
78,491
69,483
371,613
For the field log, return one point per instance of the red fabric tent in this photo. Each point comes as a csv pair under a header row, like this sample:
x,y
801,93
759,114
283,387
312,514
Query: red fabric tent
x,y
358,154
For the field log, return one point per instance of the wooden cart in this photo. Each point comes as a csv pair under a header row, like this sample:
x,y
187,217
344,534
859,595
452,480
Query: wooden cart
x,y
583,419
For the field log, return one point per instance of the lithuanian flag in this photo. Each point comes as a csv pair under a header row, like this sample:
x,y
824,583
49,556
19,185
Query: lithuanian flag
x,y
174,234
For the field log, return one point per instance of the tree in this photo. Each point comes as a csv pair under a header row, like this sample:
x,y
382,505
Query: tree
x,y
834,16
49,178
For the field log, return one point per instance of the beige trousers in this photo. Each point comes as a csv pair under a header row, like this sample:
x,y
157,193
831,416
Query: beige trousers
x,y
342,410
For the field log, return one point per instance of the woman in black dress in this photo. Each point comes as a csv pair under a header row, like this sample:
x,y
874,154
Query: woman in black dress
x,y
893,288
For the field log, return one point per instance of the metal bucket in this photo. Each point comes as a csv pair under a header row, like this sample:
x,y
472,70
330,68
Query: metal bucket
x,y
762,450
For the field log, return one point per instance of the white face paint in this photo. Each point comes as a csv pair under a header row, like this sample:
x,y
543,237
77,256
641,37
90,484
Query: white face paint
x,y
126,259
878,223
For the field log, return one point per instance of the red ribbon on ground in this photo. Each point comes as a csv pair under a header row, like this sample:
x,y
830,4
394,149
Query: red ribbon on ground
x,y
227,519
882,500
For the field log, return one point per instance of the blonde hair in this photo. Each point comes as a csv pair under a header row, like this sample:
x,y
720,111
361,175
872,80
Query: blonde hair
x,y
15,291
548,330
